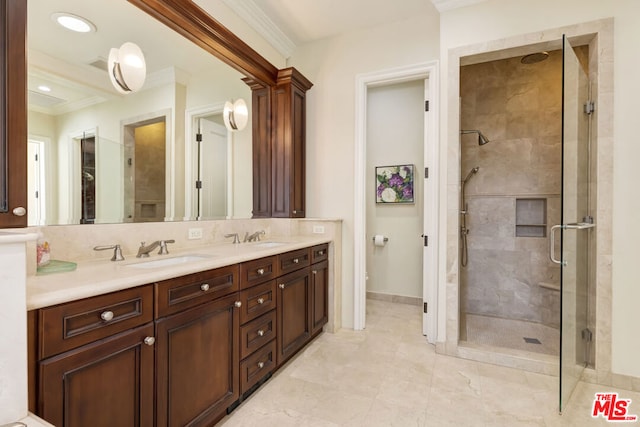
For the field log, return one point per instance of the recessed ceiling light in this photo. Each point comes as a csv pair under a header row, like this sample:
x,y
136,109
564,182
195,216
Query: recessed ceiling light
x,y
43,88
74,22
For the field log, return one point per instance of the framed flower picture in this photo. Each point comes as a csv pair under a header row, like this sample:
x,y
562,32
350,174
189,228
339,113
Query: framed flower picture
x,y
394,184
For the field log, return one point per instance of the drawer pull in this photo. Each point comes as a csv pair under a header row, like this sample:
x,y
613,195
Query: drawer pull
x,y
260,365
260,300
238,304
296,260
149,340
320,253
260,333
260,271
314,271
204,287
106,315
281,285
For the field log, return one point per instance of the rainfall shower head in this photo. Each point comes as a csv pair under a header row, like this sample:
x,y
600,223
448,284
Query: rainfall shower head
x,y
470,174
481,138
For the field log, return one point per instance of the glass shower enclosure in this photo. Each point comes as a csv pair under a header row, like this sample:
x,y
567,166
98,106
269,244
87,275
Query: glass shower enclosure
x,y
577,224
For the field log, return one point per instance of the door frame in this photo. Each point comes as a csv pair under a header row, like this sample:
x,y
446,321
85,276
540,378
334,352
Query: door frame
x,y
422,71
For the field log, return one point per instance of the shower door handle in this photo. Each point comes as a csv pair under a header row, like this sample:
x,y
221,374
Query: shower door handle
x,y
570,226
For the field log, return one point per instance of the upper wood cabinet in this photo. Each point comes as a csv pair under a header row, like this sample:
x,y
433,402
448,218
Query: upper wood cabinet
x,y
279,136
13,114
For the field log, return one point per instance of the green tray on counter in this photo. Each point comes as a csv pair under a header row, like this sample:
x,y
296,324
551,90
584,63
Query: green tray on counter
x,y
56,266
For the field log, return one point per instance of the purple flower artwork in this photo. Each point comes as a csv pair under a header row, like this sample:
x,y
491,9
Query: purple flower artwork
x,y
394,184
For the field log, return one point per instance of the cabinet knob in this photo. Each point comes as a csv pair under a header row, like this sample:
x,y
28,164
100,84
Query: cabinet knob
x,y
19,211
281,285
204,287
320,252
314,271
260,271
260,300
260,365
106,315
238,304
149,340
260,333
296,260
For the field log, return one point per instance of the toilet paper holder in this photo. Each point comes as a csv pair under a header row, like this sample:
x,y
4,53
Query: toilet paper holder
x,y
386,239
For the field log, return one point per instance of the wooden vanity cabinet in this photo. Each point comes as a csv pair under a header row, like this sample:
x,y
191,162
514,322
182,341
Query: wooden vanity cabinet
x,y
197,363
258,321
302,298
94,360
197,348
179,352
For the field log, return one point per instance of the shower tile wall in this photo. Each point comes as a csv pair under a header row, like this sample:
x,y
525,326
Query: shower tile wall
x,y
518,107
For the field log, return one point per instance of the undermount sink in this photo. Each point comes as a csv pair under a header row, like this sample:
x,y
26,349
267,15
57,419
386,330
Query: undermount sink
x,y
269,244
166,262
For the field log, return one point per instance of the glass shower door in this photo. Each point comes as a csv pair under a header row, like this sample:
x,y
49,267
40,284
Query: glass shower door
x,y
576,224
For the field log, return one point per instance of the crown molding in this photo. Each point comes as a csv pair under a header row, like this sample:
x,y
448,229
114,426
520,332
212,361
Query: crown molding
x,y
260,22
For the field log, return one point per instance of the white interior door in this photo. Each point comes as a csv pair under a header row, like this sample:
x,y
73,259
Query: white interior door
x,y
35,183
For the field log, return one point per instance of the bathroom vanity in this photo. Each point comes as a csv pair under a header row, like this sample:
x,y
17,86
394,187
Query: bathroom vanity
x,y
173,345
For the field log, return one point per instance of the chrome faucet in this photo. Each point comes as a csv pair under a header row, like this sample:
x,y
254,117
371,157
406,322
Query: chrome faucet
x,y
143,251
255,237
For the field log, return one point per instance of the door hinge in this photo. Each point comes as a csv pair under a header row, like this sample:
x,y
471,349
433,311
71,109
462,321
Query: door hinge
x,y
37,194
426,172
587,335
198,184
589,107
426,239
36,159
425,308
426,105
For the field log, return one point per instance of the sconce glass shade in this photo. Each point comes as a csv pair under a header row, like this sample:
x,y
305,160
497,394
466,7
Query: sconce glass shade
x,y
127,68
235,115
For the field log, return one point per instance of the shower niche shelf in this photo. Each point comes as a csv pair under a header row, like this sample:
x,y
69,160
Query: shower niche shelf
x,y
531,217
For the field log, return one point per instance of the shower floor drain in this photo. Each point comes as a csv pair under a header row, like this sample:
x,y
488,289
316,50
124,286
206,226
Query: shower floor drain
x,y
532,340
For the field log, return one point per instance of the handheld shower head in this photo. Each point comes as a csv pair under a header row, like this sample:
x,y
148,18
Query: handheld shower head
x,y
470,174
481,138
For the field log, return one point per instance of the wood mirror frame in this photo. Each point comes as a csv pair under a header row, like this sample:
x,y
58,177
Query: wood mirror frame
x,y
278,107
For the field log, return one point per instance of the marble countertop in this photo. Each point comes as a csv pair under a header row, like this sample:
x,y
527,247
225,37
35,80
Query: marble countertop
x,y
93,278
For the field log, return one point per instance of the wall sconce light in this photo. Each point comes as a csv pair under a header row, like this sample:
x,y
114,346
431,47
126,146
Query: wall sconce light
x,y
235,115
127,68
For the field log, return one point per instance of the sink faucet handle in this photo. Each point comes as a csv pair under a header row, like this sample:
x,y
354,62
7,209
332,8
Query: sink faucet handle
x,y
117,251
163,246
236,239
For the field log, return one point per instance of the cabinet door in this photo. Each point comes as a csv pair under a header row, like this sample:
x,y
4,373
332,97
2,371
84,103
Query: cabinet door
x,y
294,314
198,364
108,383
320,296
13,114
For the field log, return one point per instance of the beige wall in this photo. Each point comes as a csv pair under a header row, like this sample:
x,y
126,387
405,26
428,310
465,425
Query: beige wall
x,y
332,65
395,136
503,18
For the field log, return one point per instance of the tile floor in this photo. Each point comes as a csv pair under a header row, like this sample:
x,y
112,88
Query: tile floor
x,y
388,376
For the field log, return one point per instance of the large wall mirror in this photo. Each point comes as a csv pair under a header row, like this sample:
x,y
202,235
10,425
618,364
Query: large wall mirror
x,y
97,156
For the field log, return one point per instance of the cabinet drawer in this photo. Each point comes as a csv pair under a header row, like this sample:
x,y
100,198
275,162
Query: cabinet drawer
x,y
256,366
257,271
257,300
76,323
319,253
294,260
257,333
184,292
